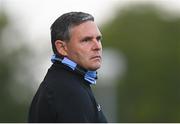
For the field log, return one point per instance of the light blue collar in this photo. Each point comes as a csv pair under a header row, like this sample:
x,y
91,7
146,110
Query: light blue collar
x,y
89,76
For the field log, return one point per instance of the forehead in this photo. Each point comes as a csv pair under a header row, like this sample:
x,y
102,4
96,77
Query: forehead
x,y
88,28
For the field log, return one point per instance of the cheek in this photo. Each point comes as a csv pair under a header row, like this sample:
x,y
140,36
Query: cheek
x,y
83,58
79,53
82,52
78,56
72,51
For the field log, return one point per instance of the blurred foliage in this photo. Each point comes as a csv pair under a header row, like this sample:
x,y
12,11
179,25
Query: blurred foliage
x,y
14,94
150,90
150,40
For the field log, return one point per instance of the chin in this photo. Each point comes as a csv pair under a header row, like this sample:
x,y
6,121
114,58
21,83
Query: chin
x,y
94,68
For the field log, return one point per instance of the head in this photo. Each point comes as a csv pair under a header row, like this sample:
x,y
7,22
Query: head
x,y
76,36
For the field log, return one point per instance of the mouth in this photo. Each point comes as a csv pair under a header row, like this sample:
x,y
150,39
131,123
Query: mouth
x,y
96,57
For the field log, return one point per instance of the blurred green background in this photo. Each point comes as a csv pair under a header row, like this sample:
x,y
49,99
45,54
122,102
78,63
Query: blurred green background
x,y
149,88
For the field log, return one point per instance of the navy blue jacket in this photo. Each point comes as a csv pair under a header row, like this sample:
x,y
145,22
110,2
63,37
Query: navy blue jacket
x,y
64,96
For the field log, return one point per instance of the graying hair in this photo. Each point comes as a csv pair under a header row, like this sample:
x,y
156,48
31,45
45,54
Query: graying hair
x,y
60,29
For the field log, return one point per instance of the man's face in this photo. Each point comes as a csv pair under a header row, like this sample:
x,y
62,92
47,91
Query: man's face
x,y
85,46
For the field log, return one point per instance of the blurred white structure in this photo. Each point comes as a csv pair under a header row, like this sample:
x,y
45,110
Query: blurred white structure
x,y
113,69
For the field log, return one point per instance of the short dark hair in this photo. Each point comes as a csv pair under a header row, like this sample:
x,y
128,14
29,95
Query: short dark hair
x,y
60,29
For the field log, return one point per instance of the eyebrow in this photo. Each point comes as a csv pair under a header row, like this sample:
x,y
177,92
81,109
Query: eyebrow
x,y
99,37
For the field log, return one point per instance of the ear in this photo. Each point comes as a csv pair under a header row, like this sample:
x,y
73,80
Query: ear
x,y
61,47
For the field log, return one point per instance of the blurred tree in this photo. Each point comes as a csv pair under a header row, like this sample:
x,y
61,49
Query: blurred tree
x,y
150,40
14,94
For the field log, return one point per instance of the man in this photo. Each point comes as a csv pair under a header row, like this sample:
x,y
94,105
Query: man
x,y
65,94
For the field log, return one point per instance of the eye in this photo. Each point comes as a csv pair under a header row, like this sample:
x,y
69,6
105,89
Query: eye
x,y
99,38
86,39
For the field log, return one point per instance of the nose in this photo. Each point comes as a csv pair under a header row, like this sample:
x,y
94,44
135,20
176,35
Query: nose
x,y
97,45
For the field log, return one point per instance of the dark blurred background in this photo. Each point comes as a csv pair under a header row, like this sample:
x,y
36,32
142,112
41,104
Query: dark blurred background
x,y
140,76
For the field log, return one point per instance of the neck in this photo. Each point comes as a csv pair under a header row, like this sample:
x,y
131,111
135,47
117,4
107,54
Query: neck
x,y
90,76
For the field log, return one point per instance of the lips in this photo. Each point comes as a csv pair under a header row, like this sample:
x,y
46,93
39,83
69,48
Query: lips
x,y
96,57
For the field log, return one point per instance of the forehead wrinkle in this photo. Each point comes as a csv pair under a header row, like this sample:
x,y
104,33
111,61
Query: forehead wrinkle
x,y
89,30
